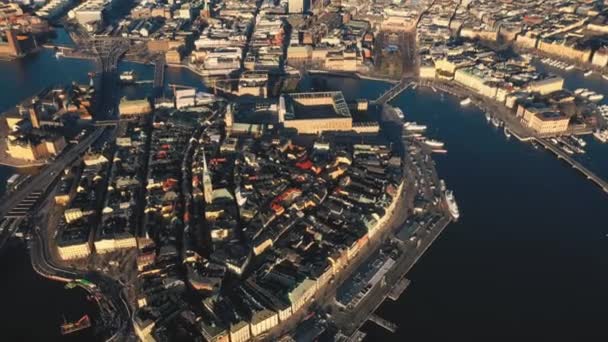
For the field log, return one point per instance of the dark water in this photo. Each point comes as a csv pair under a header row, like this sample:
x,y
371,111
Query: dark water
x,y
527,260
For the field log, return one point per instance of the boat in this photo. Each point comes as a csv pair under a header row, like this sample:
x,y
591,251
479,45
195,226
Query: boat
x,y
434,143
70,327
413,127
535,144
496,122
128,77
450,200
488,117
605,77
596,97
58,54
601,135
579,91
569,67
441,150
465,102
507,133
587,93
399,113
579,141
567,150
588,73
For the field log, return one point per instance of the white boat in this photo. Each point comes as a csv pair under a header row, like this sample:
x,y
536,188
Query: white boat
x,y
587,93
488,117
579,91
601,135
450,200
569,67
588,73
507,133
413,127
399,113
465,102
567,150
579,141
58,54
605,77
127,77
496,122
596,97
434,143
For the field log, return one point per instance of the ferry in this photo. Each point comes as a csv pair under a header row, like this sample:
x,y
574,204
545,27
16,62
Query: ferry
x,y
465,102
507,133
413,127
399,113
128,77
588,73
434,143
450,200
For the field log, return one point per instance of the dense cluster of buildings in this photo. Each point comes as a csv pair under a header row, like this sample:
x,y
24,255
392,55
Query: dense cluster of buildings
x,y
19,31
303,214
80,193
35,127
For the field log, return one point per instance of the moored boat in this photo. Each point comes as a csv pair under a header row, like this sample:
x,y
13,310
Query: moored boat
x,y
450,200
465,102
434,143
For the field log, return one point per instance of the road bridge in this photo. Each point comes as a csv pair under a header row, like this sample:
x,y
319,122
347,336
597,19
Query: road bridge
x,y
159,75
393,92
576,165
22,201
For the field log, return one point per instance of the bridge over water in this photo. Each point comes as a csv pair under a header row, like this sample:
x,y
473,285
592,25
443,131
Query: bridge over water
x,y
576,165
393,92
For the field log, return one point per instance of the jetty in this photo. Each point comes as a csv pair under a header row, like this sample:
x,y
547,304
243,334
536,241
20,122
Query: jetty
x,y
398,289
390,326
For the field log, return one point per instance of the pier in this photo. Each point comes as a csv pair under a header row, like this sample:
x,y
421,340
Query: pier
x,y
398,289
576,165
390,326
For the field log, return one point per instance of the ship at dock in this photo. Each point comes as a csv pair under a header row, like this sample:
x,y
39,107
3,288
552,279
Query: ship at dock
x,y
414,127
128,77
465,102
71,327
450,201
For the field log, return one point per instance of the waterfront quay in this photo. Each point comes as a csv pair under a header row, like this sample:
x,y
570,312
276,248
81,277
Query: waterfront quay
x,y
407,239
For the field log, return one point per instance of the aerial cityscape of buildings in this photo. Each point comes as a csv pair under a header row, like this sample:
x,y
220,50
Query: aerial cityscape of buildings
x,y
258,210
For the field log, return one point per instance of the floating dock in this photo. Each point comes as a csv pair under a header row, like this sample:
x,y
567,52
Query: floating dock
x,y
398,289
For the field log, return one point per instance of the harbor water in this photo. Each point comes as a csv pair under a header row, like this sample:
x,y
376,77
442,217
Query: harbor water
x,y
526,260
